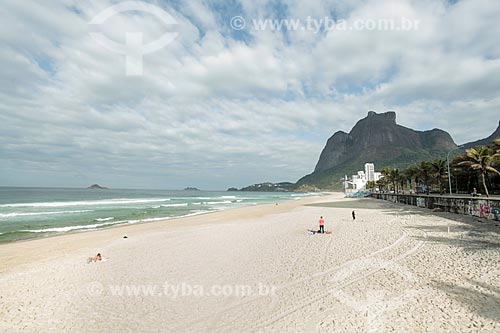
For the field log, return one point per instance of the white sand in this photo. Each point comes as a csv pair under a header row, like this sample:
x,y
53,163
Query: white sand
x,y
396,268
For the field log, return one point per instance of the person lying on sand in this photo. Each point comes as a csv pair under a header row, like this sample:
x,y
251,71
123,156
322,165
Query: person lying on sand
x,y
314,232
95,258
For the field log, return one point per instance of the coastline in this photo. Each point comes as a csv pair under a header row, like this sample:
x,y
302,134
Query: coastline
x,y
18,253
41,212
394,268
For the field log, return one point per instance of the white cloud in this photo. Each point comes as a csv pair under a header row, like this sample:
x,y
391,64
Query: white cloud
x,y
214,110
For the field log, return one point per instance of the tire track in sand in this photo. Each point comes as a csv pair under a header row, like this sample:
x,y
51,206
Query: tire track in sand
x,y
320,274
312,299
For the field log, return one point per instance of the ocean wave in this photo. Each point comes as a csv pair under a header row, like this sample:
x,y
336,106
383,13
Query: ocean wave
x,y
308,194
196,213
70,228
217,202
84,203
44,213
175,205
104,219
214,202
97,225
228,197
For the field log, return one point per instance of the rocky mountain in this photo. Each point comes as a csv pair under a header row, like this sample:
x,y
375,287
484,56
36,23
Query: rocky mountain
x,y
486,141
379,139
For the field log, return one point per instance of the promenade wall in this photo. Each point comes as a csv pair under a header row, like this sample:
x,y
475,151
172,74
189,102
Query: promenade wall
x,y
488,208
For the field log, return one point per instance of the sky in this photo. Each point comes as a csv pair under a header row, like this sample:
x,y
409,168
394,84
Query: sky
x,y
222,104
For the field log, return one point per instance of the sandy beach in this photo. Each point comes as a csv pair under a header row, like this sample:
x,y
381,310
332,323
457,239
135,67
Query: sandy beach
x,y
257,269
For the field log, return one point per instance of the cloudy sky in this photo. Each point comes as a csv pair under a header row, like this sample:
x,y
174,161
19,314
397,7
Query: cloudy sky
x,y
220,107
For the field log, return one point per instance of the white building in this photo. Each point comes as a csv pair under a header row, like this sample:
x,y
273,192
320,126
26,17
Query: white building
x,y
358,182
370,171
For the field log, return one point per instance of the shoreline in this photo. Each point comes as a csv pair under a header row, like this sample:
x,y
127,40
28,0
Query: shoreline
x,y
427,271
97,212
26,251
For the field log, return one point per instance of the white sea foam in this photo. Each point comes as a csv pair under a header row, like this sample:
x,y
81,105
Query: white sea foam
x,y
175,205
44,213
97,225
104,219
308,194
85,203
74,227
217,202
196,213
213,202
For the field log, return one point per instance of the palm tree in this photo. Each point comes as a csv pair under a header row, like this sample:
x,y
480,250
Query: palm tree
x,y
411,174
395,178
387,174
370,185
403,180
496,145
439,170
392,176
424,173
481,159
382,183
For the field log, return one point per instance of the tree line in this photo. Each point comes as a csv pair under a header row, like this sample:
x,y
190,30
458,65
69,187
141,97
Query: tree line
x,y
476,168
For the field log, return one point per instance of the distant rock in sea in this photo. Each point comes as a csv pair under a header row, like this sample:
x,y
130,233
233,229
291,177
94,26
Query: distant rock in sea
x,y
191,189
97,187
232,189
270,187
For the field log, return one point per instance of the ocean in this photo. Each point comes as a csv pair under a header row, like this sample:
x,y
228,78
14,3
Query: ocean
x,y
40,212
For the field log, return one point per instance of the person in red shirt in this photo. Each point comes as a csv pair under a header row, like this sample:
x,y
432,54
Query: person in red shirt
x,y
321,225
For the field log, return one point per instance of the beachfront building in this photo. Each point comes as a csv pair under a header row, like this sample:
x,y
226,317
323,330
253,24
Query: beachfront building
x,y
358,181
370,171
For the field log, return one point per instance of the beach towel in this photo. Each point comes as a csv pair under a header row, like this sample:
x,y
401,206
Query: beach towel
x,y
314,232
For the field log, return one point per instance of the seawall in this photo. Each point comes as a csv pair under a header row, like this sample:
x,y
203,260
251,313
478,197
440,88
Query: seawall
x,y
488,208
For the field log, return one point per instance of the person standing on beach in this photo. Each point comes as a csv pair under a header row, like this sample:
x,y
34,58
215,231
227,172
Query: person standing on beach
x,y
353,215
321,225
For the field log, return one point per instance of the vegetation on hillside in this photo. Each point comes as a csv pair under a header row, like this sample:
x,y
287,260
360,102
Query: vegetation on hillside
x,y
332,178
477,168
